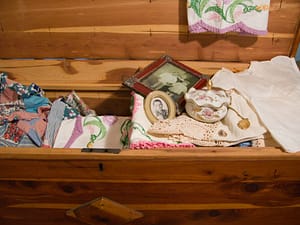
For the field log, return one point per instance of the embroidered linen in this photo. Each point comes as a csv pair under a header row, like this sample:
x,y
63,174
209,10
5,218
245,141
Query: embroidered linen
x,y
221,133
91,131
273,88
138,136
221,16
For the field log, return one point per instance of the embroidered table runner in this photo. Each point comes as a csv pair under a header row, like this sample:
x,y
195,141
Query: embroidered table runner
x,y
221,16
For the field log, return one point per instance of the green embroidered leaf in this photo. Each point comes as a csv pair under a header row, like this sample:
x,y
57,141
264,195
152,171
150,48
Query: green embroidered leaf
x,y
93,138
216,9
233,6
102,132
202,6
257,9
195,6
95,121
198,6
92,122
125,129
140,128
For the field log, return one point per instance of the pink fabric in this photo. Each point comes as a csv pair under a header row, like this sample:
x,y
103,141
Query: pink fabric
x,y
22,115
34,124
77,131
238,27
154,144
8,95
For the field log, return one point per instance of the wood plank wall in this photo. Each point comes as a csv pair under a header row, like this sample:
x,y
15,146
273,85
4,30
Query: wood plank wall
x,y
98,82
220,186
133,29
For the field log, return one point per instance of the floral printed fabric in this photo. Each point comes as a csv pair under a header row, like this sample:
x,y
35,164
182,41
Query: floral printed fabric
x,y
74,101
17,125
24,111
221,16
91,132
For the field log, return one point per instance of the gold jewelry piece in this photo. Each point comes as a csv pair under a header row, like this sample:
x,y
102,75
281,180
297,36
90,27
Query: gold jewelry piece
x,y
244,123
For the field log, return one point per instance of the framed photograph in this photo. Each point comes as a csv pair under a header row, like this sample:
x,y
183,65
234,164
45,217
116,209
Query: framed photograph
x,y
169,76
159,106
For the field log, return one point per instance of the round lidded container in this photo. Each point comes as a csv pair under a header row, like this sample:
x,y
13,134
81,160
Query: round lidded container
x,y
207,104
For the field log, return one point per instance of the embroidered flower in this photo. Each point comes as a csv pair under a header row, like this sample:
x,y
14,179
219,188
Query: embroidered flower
x,y
237,14
91,129
208,112
215,16
226,9
226,2
219,3
262,7
109,120
201,97
136,103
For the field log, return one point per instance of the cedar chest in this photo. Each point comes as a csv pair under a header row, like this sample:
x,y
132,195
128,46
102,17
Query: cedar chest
x,y
92,47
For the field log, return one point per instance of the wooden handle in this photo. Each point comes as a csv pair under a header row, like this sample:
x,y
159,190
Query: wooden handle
x,y
103,211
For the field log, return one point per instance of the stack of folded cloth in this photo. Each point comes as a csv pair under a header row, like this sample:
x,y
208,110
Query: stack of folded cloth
x,y
183,131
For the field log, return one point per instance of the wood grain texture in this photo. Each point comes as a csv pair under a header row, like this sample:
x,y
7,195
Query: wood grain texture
x,y
191,165
180,186
97,82
157,170
296,43
208,47
204,153
165,186
207,186
161,194
218,216
33,14
133,30
90,75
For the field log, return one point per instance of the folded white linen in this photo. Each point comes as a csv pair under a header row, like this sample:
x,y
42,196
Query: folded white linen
x,y
273,88
222,133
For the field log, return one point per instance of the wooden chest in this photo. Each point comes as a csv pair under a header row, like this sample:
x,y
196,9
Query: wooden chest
x,y
91,47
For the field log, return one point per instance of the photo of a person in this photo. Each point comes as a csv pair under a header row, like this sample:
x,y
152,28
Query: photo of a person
x,y
178,89
164,79
159,105
171,80
159,110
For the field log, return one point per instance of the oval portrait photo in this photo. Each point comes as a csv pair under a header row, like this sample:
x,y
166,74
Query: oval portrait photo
x,y
159,109
159,106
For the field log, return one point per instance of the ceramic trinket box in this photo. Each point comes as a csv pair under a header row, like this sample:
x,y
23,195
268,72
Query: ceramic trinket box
x,y
210,105
207,104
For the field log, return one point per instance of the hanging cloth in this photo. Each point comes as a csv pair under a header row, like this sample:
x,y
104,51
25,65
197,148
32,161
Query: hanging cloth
x,y
221,16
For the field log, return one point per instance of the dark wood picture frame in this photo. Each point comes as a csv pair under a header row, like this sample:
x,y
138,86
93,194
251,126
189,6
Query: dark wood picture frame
x,y
167,75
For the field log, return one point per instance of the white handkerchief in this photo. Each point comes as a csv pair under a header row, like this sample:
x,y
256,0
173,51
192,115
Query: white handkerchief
x,y
273,88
